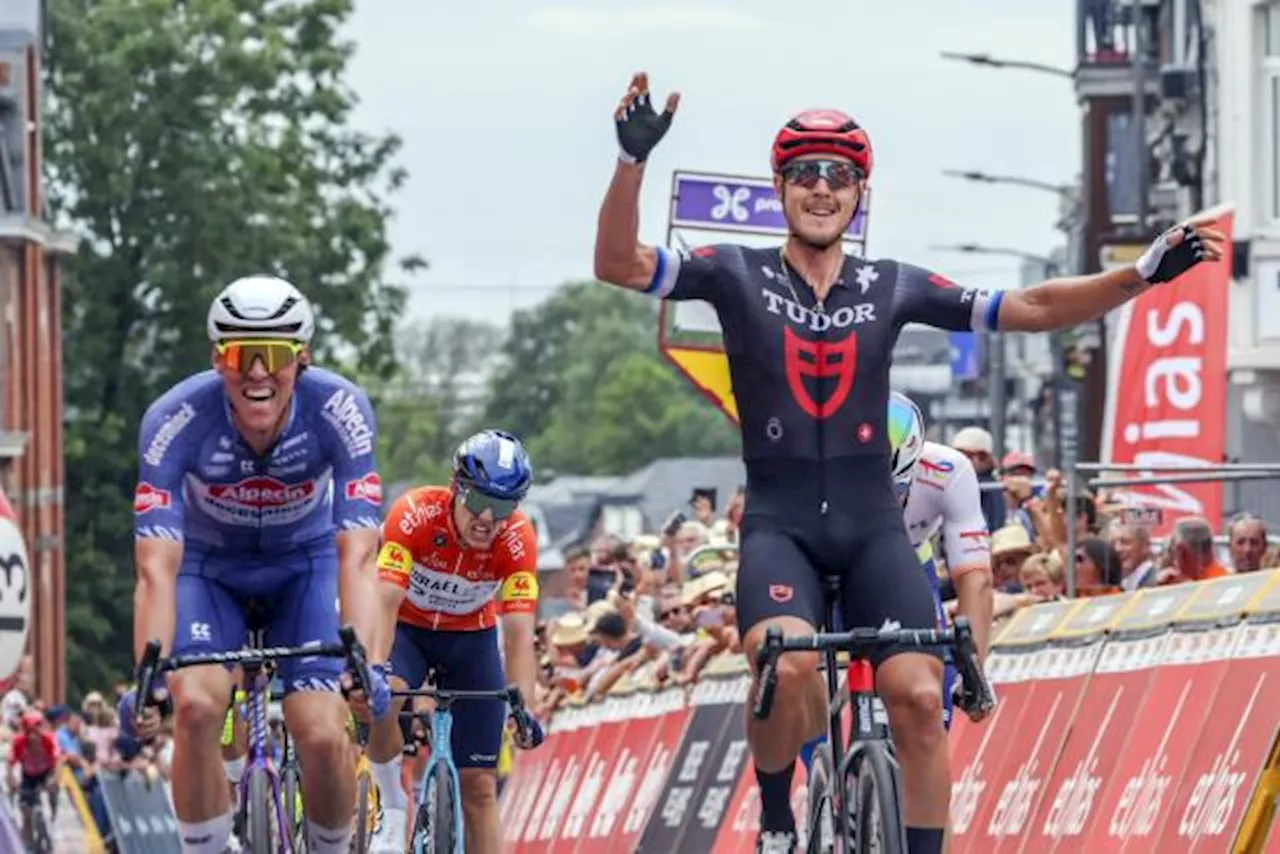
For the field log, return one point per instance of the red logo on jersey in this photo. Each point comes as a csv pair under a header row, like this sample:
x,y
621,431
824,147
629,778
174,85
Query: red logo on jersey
x,y
941,281
704,252
781,592
367,488
261,492
822,360
865,432
147,498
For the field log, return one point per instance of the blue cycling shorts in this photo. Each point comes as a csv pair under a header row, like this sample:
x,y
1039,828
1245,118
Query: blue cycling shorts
x,y
461,661
294,595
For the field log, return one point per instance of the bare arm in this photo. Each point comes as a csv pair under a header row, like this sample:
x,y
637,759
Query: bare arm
x,y
1061,303
620,258
975,600
518,653
155,592
357,594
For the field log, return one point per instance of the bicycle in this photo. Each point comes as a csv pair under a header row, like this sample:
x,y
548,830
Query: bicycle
x,y
368,798
260,784
437,823
41,835
872,818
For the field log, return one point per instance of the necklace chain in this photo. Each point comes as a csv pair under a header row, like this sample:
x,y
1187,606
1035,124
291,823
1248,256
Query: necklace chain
x,y
818,304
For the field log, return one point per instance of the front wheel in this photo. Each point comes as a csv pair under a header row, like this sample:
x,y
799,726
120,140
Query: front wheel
x,y
260,822
875,801
821,807
436,822
366,811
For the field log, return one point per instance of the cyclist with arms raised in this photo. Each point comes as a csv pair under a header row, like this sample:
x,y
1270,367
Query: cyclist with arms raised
x,y
456,563
257,492
809,333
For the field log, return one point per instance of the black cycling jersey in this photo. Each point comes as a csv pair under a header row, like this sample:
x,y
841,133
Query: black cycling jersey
x,y
812,380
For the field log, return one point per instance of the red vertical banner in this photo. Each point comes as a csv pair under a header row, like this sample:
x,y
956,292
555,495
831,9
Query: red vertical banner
x,y
1167,392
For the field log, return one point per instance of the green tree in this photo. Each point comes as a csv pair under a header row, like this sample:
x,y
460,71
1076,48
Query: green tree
x,y
191,143
583,383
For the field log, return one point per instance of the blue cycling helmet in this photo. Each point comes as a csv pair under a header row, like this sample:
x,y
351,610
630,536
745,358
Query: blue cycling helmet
x,y
495,463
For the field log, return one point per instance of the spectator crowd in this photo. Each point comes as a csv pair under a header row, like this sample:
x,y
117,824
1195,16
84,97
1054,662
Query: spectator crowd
x,y
669,597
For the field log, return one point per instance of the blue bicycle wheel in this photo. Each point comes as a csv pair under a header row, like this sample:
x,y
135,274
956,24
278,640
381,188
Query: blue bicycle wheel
x,y
436,819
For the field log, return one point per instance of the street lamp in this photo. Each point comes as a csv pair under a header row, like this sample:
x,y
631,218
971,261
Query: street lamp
x,y
992,62
987,178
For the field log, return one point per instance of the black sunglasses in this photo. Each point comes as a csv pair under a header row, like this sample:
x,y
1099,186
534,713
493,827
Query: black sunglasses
x,y
805,173
477,502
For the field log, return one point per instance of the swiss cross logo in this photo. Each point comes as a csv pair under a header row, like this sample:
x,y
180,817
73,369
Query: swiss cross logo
x,y
367,488
147,498
864,432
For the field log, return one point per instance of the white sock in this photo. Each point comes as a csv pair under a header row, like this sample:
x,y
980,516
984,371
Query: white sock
x,y
387,776
233,768
205,837
325,840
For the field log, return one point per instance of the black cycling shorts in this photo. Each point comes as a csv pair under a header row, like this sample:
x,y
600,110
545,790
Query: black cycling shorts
x,y
31,786
861,539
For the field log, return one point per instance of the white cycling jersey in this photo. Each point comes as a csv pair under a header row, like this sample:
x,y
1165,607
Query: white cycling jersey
x,y
945,494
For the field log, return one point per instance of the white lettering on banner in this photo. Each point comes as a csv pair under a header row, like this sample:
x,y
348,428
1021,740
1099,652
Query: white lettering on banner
x,y
550,786
342,410
585,799
1073,802
1170,496
1142,796
615,796
676,805
1213,800
693,762
713,806
864,312
168,431
560,800
655,774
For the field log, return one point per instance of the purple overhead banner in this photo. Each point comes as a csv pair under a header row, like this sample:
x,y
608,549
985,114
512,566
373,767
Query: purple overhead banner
x,y
734,203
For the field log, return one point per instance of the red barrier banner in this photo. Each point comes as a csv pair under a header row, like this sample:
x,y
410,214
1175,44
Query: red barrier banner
x,y
1232,751
640,756
716,713
1092,746
725,766
559,781
1002,794
1138,799
672,726
600,761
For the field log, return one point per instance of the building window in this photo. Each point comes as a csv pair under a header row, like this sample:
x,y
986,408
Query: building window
x,y
1269,97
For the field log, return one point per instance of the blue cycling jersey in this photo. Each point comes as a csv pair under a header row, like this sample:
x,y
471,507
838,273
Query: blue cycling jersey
x,y
200,482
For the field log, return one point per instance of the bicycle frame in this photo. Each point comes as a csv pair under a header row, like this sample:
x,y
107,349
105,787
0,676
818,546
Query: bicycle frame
x,y
442,752
257,688
253,661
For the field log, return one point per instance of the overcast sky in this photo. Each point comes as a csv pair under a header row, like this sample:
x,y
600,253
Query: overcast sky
x,y
505,110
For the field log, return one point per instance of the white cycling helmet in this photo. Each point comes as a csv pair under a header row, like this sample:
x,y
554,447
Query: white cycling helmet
x,y
261,305
906,440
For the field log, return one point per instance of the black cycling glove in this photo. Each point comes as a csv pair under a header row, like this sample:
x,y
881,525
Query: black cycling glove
x,y
641,128
1162,264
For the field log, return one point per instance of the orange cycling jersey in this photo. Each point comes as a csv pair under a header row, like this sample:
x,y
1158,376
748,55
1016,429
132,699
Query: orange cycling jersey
x,y
451,587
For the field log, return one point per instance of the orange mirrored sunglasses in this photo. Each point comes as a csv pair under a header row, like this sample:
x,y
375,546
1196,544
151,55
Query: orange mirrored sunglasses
x,y
274,353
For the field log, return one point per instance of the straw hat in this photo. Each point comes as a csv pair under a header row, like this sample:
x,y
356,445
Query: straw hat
x,y
569,630
702,585
1011,539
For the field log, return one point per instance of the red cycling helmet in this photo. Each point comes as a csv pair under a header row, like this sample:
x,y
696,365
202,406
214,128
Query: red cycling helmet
x,y
823,132
31,719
